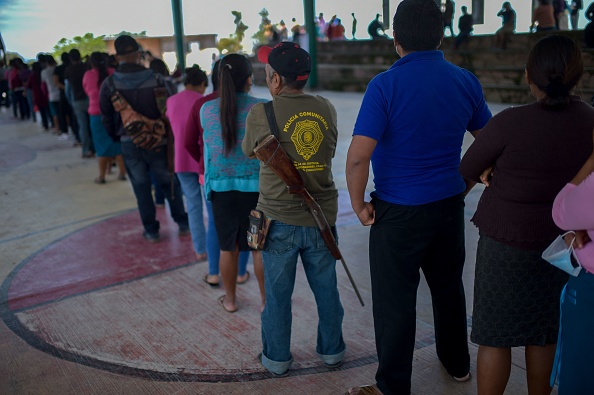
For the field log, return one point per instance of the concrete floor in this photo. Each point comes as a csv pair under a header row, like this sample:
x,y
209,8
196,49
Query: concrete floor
x,y
88,307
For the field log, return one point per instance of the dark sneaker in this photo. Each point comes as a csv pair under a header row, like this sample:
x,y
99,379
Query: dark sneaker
x,y
184,230
151,237
463,379
333,365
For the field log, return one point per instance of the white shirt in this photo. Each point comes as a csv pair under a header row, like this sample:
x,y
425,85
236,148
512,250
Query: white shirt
x,y
47,76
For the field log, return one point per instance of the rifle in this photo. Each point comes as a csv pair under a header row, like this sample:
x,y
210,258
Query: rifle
x,y
270,152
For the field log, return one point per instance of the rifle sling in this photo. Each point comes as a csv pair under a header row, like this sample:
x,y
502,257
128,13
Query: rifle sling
x,y
271,119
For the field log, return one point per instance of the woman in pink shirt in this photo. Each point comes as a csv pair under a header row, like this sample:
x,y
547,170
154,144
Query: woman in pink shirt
x,y
574,210
105,147
179,107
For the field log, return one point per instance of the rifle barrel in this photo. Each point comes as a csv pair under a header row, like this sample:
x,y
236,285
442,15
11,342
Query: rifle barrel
x,y
346,269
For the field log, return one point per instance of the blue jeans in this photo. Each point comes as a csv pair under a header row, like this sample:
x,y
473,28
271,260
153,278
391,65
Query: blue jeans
x,y
212,245
190,186
80,108
576,344
284,244
139,162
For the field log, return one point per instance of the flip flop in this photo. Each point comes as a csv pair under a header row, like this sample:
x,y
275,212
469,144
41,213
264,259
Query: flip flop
x,y
222,303
247,277
205,279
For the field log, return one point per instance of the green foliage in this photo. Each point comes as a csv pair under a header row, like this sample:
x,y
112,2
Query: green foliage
x,y
260,36
231,44
86,44
141,34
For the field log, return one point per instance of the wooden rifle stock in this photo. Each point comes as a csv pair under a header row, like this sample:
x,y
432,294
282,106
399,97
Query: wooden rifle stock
x,y
270,152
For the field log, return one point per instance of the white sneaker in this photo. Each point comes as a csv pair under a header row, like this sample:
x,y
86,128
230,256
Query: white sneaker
x,y
63,137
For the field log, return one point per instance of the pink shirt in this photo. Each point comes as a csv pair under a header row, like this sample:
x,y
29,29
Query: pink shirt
x,y
92,90
574,209
179,107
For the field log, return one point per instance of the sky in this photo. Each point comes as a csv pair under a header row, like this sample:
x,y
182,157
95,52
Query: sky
x,y
32,26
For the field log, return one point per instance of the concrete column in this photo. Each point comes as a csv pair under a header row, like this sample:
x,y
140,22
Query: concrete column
x,y
309,8
178,27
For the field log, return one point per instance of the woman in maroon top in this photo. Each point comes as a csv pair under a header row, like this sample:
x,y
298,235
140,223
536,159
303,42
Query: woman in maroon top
x,y
40,99
534,150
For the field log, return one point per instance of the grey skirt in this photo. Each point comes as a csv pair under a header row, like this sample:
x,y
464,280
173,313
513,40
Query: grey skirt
x,y
516,297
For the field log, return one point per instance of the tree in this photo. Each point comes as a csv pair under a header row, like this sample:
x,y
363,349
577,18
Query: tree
x,y
86,44
141,34
233,43
262,36
230,44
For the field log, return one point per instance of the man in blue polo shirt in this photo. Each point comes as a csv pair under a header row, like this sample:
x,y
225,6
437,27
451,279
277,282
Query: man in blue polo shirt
x,y
410,128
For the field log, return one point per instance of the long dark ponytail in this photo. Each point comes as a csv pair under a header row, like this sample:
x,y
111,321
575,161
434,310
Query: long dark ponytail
x,y
234,71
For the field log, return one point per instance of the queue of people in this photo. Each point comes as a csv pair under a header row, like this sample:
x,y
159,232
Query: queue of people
x,y
536,161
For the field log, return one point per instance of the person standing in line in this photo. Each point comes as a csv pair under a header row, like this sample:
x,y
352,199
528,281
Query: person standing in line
x,y
573,209
19,94
105,147
525,155
412,134
186,168
74,74
65,114
47,76
39,98
138,86
231,179
193,143
24,75
4,97
309,135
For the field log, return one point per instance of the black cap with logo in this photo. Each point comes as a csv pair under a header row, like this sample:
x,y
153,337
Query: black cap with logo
x,y
288,59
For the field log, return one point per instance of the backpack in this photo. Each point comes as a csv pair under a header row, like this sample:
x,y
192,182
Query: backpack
x,y
145,133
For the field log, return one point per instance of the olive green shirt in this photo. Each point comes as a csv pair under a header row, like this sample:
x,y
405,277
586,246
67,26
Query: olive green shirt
x,y
308,133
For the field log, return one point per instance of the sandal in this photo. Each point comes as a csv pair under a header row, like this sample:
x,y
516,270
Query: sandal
x,y
99,180
222,303
247,277
205,279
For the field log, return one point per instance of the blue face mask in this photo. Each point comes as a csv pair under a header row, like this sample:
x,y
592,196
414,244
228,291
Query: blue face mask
x,y
559,255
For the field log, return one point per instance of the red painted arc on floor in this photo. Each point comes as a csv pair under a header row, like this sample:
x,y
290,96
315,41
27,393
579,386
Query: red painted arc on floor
x,y
104,297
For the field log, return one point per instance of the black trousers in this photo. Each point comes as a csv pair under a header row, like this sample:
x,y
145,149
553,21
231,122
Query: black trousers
x,y
403,240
